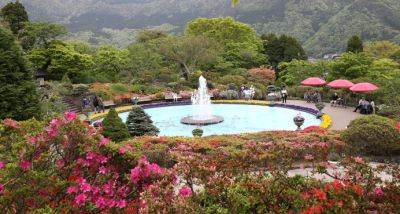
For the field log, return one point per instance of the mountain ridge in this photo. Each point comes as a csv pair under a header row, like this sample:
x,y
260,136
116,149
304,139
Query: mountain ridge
x,y
323,26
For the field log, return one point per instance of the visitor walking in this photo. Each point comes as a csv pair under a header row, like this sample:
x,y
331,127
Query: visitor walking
x,y
284,95
101,105
96,104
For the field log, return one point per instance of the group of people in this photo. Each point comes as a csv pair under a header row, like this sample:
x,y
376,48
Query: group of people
x,y
247,93
365,106
96,103
311,96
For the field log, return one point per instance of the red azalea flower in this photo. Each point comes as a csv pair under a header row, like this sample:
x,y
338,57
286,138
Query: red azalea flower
x,y
305,195
316,209
319,194
398,125
358,190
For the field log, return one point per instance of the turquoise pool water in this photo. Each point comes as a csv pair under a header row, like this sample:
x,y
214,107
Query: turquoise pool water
x,y
238,119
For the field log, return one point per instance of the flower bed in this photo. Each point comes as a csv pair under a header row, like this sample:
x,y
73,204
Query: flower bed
x,y
219,174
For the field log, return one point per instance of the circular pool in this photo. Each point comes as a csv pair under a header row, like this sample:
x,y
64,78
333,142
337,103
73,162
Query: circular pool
x,y
238,118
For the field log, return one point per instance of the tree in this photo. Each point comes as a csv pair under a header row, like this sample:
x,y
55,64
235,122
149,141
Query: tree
x,y
350,66
189,52
139,123
355,45
282,49
148,35
59,59
114,128
15,15
242,47
18,96
382,49
40,34
110,62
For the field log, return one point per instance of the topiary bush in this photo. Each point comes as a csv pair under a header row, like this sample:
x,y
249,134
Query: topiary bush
x,y
139,123
114,128
373,135
229,95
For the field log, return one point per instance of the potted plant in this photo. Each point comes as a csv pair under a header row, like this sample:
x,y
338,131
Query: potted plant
x,y
198,132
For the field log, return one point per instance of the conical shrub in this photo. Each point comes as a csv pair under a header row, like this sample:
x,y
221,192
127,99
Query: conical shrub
x,y
114,128
139,123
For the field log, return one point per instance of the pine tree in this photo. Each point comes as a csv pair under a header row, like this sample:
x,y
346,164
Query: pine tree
x,y
114,128
139,123
15,15
355,45
18,95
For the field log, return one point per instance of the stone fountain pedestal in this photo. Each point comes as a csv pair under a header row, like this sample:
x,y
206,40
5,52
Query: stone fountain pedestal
x,y
190,120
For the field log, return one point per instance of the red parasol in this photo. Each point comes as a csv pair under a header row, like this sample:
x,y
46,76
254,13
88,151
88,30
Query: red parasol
x,y
364,87
313,81
341,84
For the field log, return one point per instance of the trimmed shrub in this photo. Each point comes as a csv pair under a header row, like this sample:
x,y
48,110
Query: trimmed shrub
x,y
114,128
229,95
389,111
139,123
373,135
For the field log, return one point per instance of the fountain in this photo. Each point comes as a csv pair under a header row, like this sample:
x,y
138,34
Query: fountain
x,y
201,102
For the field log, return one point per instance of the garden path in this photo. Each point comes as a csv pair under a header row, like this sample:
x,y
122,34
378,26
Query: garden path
x,y
341,117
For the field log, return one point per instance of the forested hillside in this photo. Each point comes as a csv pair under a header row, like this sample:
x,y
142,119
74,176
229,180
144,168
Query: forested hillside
x,y
323,26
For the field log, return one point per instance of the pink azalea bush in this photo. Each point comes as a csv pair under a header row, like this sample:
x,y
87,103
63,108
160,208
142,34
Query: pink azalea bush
x,y
66,166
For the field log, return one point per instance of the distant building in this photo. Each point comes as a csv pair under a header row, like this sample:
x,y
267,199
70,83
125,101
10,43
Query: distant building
x,y
331,56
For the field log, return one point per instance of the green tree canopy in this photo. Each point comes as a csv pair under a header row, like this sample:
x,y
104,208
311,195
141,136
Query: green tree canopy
x,y
148,35
282,49
114,128
382,49
242,47
110,62
355,45
189,52
139,123
15,15
350,66
18,96
59,59
40,34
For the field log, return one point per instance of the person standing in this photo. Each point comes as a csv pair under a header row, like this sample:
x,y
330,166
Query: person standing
x,y
284,95
252,92
96,104
101,105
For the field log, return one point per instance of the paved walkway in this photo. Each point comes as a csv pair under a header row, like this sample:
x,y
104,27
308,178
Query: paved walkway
x,y
341,116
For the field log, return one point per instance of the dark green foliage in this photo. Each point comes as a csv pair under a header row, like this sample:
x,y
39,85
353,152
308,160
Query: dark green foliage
x,y
373,135
355,45
114,128
18,96
40,34
139,123
197,132
282,49
15,15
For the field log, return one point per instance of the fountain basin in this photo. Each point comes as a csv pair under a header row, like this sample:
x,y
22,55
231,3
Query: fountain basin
x,y
190,120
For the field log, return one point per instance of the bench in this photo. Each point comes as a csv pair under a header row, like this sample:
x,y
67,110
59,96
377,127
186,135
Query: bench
x,y
109,103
